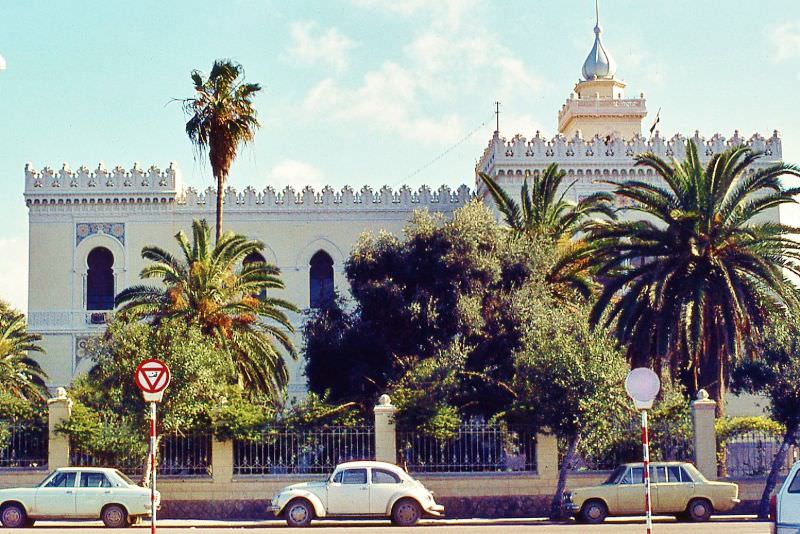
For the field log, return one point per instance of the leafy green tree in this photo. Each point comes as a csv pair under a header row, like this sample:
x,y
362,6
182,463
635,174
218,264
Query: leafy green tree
x,y
545,213
20,375
212,288
445,286
776,374
222,117
568,379
698,273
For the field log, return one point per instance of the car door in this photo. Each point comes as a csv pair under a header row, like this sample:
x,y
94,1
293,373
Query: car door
x,y
674,494
94,491
56,497
630,492
659,487
383,485
349,494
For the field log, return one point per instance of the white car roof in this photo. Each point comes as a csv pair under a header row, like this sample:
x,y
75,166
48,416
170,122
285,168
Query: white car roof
x,y
369,463
88,469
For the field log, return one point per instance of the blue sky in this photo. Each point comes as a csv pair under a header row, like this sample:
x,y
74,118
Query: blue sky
x,y
366,91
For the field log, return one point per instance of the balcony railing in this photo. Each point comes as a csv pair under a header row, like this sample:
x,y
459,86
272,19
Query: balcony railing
x,y
68,320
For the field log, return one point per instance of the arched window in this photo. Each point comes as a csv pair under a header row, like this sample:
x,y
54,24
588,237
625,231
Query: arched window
x,y
100,280
255,257
321,279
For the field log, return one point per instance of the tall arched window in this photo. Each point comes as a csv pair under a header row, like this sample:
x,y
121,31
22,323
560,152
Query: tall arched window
x,y
255,257
100,280
321,279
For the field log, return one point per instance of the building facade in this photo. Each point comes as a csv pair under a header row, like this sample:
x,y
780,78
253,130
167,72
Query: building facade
x,y
88,227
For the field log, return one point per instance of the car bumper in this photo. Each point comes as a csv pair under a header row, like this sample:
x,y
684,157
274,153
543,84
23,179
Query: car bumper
x,y
274,508
571,507
436,510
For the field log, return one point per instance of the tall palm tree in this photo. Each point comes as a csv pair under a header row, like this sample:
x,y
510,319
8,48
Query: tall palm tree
x,y
222,117
699,272
215,289
20,375
545,213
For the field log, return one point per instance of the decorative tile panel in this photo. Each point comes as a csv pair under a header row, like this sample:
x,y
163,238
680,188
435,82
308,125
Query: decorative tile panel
x,y
84,230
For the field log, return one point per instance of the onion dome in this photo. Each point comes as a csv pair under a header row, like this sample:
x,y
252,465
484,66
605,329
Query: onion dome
x,y
599,63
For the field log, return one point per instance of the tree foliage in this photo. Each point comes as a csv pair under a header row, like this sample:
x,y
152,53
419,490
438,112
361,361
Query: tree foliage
x,y
698,272
441,295
20,375
212,288
222,117
776,374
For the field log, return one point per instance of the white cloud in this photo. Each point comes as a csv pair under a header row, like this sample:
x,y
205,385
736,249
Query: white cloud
x,y
786,40
297,174
450,59
312,46
14,266
386,101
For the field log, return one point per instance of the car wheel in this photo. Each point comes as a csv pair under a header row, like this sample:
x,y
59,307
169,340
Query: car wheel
x,y
114,516
594,512
406,512
13,516
699,510
299,513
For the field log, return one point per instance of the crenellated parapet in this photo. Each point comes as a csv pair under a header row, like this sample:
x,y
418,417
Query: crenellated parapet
x,y
48,186
154,189
289,199
520,153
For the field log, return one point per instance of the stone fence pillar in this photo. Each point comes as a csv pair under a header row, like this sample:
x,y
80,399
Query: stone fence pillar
x,y
385,433
221,460
547,456
705,436
59,410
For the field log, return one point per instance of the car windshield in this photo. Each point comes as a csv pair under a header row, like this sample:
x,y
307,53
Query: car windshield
x,y
616,474
46,479
125,477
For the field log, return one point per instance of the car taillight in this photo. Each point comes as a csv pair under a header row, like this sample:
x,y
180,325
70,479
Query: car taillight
x,y
773,509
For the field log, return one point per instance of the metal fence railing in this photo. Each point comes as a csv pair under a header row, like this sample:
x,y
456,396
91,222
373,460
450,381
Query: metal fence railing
x,y
23,445
180,454
664,447
475,447
283,450
751,455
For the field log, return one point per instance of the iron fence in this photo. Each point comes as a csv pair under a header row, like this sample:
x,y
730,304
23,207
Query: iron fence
x,y
751,455
283,450
664,447
475,447
23,445
180,454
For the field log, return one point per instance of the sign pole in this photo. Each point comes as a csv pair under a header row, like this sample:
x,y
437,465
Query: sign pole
x,y
647,498
153,464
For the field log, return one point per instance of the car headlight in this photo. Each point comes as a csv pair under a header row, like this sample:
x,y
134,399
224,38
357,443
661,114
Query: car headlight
x,y
568,495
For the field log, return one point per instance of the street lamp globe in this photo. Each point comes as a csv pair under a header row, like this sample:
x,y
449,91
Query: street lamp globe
x,y
2,62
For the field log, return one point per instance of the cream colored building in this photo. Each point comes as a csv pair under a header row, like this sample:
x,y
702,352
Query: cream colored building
x,y
87,227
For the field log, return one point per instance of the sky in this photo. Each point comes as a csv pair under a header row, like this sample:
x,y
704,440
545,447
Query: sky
x,y
377,92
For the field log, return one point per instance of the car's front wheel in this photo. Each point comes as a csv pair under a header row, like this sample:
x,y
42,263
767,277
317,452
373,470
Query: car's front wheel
x,y
699,510
299,513
114,516
406,513
594,512
13,516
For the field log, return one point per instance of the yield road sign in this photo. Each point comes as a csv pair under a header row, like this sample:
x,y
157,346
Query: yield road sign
x,y
152,376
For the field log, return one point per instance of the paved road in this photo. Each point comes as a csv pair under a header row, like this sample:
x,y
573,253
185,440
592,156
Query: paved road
x,y
533,526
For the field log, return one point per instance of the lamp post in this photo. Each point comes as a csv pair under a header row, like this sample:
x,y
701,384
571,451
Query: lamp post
x,y
642,385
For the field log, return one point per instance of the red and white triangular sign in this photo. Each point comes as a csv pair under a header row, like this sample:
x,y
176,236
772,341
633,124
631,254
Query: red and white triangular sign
x,y
152,377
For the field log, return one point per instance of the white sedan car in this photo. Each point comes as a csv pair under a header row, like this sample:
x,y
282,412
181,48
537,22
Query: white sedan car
x,y
77,493
367,489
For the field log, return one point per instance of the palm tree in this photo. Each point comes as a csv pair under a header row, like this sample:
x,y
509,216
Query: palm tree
x,y
222,117
215,289
545,213
699,273
20,375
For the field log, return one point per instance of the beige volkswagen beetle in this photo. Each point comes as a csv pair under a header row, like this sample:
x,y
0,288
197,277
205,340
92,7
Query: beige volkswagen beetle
x,y
366,489
677,488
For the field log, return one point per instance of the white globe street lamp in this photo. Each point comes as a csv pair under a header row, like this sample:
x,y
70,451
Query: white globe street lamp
x,y
642,385
2,62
